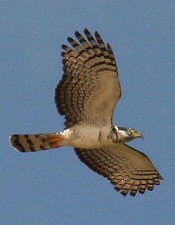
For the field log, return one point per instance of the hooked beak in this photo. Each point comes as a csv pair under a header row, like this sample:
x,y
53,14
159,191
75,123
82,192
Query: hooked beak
x,y
137,134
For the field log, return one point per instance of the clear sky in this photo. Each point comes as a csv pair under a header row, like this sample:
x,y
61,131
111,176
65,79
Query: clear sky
x,y
54,187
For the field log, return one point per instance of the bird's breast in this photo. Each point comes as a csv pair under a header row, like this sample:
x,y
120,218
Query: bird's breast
x,y
85,136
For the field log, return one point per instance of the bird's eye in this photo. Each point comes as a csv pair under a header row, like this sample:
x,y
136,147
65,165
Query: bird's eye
x,y
129,132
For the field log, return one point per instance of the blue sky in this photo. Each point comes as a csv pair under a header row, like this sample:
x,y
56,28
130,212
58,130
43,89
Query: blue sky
x,y
54,187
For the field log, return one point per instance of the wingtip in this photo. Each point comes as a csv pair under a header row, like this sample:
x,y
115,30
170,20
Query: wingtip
x,y
77,34
86,31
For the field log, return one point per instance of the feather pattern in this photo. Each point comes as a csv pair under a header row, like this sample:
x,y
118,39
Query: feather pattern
x,y
90,87
127,168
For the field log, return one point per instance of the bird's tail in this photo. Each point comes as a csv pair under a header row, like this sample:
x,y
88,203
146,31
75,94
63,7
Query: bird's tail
x,y
36,142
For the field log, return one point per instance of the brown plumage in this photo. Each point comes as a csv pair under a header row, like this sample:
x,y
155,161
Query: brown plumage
x,y
87,96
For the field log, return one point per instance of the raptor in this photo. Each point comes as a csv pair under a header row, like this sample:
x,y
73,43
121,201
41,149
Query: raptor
x,y
86,96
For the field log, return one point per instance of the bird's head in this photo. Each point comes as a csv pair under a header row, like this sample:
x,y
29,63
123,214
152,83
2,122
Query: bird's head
x,y
129,134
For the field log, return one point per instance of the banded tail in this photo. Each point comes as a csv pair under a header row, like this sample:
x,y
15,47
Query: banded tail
x,y
36,142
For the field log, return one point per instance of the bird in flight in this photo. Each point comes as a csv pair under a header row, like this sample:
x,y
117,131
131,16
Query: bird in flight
x,y
86,96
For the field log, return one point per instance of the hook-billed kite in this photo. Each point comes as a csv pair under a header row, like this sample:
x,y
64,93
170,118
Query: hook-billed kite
x,y
87,96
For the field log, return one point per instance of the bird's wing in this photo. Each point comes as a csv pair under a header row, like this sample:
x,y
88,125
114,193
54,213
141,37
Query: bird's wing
x,y
90,87
127,168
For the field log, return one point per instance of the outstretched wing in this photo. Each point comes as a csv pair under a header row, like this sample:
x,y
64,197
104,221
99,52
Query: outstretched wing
x,y
90,86
128,169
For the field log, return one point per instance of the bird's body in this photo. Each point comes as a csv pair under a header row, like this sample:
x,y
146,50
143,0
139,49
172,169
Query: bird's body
x,y
83,136
78,136
87,96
